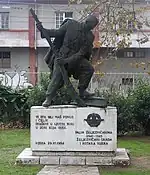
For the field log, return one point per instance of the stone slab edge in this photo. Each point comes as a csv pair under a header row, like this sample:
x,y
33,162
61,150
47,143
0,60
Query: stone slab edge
x,y
25,157
121,159
70,153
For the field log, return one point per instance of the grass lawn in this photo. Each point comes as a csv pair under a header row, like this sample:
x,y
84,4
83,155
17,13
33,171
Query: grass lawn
x,y
139,148
127,173
12,142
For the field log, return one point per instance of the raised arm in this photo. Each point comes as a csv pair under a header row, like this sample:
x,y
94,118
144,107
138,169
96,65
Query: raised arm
x,y
52,32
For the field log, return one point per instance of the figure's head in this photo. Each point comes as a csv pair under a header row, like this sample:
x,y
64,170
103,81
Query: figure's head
x,y
91,22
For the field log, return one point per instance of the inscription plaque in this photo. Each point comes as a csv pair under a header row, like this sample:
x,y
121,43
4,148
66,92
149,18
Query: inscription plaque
x,y
73,129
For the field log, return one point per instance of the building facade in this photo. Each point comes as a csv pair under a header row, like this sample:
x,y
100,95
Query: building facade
x,y
22,49
124,68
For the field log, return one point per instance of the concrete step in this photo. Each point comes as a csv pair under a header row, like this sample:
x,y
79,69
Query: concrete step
x,y
120,158
69,170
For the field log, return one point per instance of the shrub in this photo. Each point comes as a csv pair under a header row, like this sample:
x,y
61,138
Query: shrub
x,y
125,122
12,105
38,94
133,108
141,104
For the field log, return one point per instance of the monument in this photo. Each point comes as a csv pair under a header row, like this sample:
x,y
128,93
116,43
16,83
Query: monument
x,y
84,133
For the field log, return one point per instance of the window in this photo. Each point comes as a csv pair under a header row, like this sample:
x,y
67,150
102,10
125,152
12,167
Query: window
x,y
5,60
68,14
61,16
127,81
4,20
134,54
140,54
128,54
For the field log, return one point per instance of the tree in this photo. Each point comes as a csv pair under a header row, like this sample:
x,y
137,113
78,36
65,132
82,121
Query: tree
x,y
118,19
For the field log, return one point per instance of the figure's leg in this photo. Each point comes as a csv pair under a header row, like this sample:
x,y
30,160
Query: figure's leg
x,y
86,71
55,83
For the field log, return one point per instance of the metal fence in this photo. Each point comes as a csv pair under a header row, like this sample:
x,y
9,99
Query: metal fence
x,y
100,81
117,81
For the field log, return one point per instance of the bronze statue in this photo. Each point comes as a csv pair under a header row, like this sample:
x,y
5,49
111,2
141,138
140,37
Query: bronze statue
x,y
74,54
71,52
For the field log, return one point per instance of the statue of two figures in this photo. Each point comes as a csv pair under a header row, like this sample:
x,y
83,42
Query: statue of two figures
x,y
69,55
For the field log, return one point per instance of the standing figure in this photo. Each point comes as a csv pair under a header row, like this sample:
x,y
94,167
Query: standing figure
x,y
74,54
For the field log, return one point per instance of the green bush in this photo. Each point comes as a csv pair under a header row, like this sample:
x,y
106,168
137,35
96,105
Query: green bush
x,y
12,105
133,108
15,104
38,93
141,104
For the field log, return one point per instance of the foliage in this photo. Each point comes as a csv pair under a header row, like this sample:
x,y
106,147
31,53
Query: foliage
x,y
141,105
38,93
12,105
133,108
117,20
15,104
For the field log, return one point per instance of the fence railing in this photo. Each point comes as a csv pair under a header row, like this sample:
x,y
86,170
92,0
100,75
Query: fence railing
x,y
118,81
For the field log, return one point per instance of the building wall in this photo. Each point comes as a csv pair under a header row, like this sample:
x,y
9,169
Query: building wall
x,y
19,20
19,59
42,66
120,63
110,65
18,16
127,65
17,34
16,39
22,33
120,73
46,14
17,76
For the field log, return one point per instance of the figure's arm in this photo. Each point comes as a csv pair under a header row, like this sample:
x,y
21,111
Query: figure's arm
x,y
52,32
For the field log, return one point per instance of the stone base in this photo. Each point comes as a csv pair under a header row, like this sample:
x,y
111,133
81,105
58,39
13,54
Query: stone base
x,y
73,129
120,158
75,153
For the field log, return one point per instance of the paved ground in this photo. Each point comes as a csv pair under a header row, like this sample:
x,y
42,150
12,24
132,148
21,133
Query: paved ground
x,y
69,170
